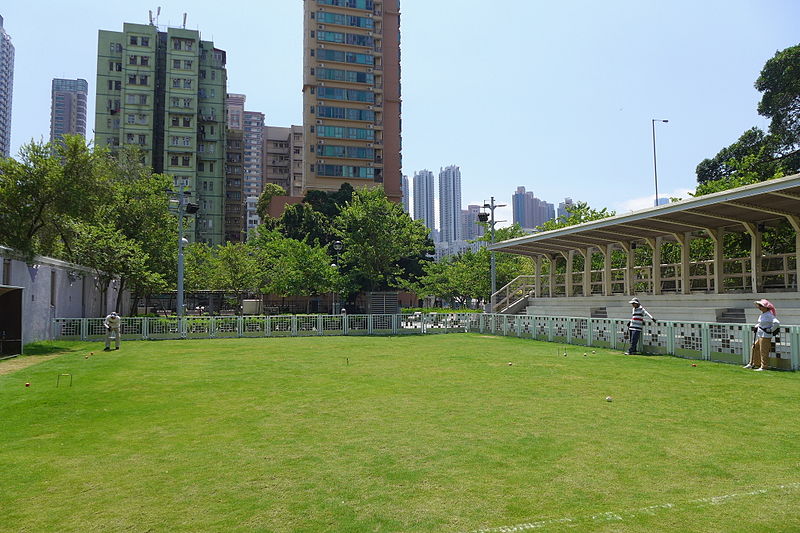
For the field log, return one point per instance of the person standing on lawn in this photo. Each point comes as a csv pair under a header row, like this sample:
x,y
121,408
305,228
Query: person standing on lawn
x,y
764,329
636,324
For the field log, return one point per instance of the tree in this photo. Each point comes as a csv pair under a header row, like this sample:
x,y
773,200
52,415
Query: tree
x,y
577,213
294,268
271,190
198,266
758,156
235,269
112,256
50,189
377,236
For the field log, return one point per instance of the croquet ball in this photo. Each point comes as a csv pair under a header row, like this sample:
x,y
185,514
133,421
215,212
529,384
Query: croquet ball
x,y
609,398
91,353
593,351
565,354
694,364
510,363
86,357
27,384
584,354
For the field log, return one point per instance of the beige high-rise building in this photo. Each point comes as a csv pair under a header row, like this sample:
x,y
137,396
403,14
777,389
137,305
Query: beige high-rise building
x,y
283,158
351,94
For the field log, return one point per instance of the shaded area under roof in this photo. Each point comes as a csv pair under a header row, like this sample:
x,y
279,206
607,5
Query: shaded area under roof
x,y
760,203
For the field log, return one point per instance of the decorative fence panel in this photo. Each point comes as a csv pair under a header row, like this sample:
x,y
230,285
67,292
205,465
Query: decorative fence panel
x,y
727,343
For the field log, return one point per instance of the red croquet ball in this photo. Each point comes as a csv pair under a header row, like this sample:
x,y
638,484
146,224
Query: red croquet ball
x,y
27,384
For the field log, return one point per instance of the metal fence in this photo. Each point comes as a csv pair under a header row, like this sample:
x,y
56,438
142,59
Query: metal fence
x,y
728,343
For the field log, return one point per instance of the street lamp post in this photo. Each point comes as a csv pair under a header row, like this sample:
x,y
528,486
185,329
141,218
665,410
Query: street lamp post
x,y
337,248
184,207
491,206
655,166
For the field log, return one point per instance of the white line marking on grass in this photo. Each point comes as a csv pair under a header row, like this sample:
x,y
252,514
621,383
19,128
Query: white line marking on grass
x,y
617,516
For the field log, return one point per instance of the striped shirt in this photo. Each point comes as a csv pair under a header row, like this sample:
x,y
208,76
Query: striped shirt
x,y
637,318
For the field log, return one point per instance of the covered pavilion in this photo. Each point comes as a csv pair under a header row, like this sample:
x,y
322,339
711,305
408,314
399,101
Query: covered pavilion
x,y
716,289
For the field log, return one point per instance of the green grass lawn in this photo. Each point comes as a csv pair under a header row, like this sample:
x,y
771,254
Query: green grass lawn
x,y
418,433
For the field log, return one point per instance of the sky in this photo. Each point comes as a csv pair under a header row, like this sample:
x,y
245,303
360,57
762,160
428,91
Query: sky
x,y
557,97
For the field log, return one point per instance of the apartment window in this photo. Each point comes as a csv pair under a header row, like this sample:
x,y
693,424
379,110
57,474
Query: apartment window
x,y
176,63
203,74
175,102
143,99
187,122
173,160
132,79
187,64
213,74
187,84
201,167
134,40
141,118
129,138
113,47
175,120
187,102
145,41
187,141
131,119
185,161
176,83
142,139
176,44
144,60
132,60
143,80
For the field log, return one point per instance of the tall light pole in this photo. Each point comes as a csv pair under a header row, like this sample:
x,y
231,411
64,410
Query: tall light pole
x,y
184,207
483,217
337,248
655,166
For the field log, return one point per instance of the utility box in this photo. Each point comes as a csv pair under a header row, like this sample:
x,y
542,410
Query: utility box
x,y
252,307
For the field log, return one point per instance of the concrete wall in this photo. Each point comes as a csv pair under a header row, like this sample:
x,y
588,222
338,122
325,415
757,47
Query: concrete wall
x,y
689,307
54,288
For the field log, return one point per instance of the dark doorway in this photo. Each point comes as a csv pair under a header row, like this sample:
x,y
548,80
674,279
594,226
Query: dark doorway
x,y
10,321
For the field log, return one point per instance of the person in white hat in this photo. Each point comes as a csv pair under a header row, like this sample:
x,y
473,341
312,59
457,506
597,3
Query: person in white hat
x,y
765,328
636,324
112,324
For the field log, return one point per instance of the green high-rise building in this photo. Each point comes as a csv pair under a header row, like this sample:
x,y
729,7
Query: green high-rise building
x,y
165,93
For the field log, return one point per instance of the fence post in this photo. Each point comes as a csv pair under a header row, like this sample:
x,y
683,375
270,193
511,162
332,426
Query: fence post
x,y
294,325
570,327
394,324
794,339
344,324
84,329
705,336
589,332
145,328
267,326
240,326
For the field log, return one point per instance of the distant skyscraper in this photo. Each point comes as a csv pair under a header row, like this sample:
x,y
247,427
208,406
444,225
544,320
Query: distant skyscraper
x,y
6,89
404,188
530,211
283,157
471,230
254,153
423,199
68,108
234,176
562,207
450,203
351,94
234,110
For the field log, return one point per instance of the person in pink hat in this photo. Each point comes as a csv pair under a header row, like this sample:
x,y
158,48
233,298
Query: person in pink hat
x,y
765,328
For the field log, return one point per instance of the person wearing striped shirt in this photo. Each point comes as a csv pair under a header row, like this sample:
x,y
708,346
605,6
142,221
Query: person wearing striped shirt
x,y
636,324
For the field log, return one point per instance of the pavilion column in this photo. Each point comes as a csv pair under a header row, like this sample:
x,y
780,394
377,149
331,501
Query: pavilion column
x,y
631,261
552,275
755,255
655,246
607,270
537,274
717,235
587,272
569,256
684,239
795,222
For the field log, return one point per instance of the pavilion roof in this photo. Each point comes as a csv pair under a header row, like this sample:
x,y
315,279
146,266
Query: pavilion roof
x,y
737,209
